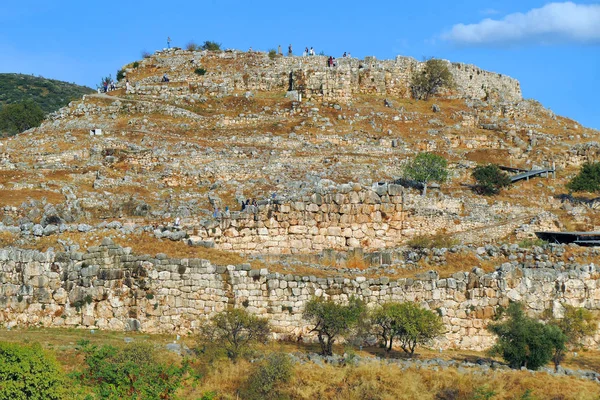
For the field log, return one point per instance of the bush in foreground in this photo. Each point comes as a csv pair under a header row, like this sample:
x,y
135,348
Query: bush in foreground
x,y
28,372
132,372
266,380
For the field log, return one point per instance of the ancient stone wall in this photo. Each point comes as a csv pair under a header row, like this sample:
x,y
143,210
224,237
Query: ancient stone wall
x,y
309,75
350,216
107,287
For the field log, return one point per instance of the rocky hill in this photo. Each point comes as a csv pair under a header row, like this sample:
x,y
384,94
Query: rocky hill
x,y
315,153
49,94
315,147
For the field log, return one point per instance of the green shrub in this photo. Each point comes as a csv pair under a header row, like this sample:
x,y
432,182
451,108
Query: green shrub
x,y
267,379
434,75
234,331
120,75
212,46
132,372
587,180
28,372
18,117
200,71
490,179
272,54
135,64
525,342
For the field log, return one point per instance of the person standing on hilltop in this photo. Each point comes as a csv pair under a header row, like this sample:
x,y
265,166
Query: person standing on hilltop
x,y
305,52
290,50
279,50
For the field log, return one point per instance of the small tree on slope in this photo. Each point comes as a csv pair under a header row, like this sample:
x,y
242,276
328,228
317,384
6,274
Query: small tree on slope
x,y
425,168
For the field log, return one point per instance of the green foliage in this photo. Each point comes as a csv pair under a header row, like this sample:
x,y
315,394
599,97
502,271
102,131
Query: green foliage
x,y
587,180
272,54
528,243
431,242
28,372
120,75
490,179
407,322
332,320
211,46
525,342
234,331
576,324
132,372
200,71
427,82
427,167
18,117
48,94
266,380
135,64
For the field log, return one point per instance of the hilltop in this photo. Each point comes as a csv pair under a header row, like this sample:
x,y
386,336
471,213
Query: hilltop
x,y
49,94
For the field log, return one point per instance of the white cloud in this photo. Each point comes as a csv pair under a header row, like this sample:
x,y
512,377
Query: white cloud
x,y
552,23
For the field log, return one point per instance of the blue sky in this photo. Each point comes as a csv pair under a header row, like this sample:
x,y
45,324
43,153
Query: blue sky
x,y
553,49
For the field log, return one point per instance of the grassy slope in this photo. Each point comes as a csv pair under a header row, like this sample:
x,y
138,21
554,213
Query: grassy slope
x,y
311,381
49,94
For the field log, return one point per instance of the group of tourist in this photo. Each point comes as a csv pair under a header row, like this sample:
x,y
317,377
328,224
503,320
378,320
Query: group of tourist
x,y
308,52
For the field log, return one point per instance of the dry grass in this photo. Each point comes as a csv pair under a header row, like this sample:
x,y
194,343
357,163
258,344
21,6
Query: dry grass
x,y
148,244
11,197
312,381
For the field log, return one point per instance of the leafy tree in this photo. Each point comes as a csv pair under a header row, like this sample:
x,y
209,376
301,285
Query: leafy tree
x,y
235,331
490,179
576,324
416,326
386,319
587,180
434,75
212,46
427,167
525,342
28,372
265,382
120,75
18,117
132,372
332,320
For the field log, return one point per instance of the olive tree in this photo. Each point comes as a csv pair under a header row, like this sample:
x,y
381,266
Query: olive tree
x,y
332,320
425,168
576,324
235,331
524,341
434,75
